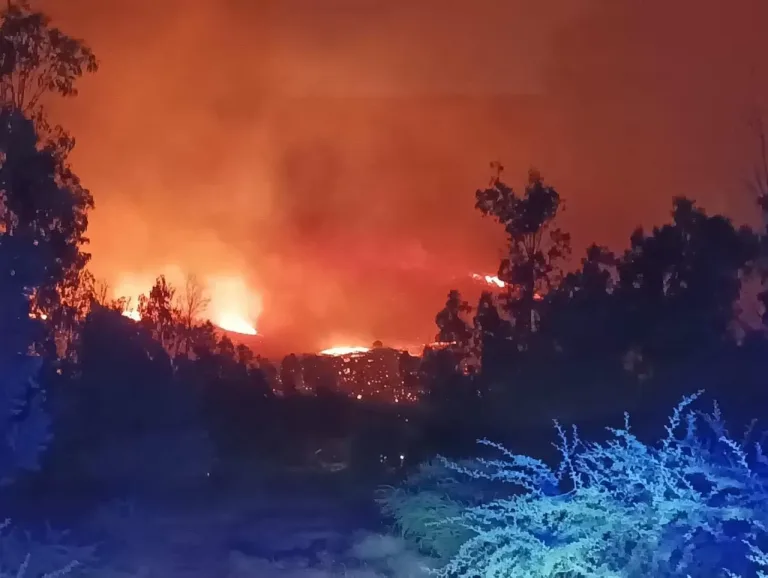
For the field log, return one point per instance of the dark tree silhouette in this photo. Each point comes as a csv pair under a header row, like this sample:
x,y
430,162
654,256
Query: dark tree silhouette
x,y
493,336
244,356
290,373
582,328
452,325
537,246
161,316
759,187
679,285
115,397
129,410
203,339
36,58
41,193
191,306
42,221
24,422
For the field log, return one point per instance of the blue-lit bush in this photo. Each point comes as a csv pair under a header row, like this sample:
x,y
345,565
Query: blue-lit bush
x,y
421,505
693,505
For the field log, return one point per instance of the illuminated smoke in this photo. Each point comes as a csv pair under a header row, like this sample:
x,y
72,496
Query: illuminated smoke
x,y
323,154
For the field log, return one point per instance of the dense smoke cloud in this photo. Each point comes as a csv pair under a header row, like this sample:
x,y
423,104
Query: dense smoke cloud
x,y
328,151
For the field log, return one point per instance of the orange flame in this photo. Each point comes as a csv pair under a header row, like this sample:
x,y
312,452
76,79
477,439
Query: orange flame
x,y
496,282
489,279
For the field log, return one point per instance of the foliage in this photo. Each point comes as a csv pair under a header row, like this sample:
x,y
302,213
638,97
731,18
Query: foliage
x,y
670,300
690,506
423,503
582,334
492,335
160,314
22,555
36,58
537,246
679,284
450,321
42,198
124,424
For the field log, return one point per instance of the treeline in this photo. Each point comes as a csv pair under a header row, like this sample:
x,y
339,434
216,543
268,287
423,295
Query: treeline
x,y
682,308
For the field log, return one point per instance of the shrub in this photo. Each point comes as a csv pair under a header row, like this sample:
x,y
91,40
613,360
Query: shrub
x,y
693,505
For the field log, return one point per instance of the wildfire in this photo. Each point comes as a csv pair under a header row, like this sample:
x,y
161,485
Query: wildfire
x,y
235,324
341,350
233,306
489,279
496,282
224,300
132,314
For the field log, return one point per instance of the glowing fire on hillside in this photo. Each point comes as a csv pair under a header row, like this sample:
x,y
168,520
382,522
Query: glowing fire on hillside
x,y
230,322
224,300
342,350
132,314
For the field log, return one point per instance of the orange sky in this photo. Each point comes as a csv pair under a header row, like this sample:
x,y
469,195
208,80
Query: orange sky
x,y
328,152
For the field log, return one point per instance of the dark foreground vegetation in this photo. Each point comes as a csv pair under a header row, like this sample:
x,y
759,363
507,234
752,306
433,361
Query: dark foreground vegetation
x,y
159,448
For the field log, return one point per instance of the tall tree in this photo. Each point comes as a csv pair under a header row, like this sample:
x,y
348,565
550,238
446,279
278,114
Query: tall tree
x,y
160,315
37,59
76,298
537,246
191,305
119,399
41,195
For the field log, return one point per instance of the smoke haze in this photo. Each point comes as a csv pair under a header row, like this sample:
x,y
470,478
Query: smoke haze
x,y
328,152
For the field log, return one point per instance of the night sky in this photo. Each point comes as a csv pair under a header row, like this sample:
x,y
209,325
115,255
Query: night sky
x,y
327,153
